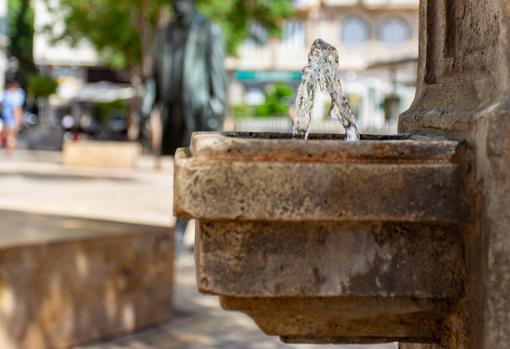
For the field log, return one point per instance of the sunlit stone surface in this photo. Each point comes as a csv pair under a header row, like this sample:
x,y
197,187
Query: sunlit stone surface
x,y
65,281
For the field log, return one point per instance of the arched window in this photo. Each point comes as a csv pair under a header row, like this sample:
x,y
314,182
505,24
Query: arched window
x,y
394,30
355,30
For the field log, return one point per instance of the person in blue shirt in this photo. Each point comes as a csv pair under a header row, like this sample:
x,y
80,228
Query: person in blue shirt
x,y
12,114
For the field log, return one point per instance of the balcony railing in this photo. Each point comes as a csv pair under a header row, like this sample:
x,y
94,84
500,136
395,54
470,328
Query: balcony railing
x,y
280,124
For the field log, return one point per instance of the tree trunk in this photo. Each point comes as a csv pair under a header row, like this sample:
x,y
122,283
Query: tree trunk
x,y
134,120
46,112
140,72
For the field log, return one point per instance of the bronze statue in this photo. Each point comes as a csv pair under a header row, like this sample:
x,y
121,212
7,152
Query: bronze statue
x,y
188,79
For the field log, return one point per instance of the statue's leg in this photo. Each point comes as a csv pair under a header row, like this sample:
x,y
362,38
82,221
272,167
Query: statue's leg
x,y
174,129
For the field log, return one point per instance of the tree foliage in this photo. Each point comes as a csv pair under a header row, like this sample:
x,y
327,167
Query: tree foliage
x,y
42,86
122,30
277,101
235,17
21,34
119,30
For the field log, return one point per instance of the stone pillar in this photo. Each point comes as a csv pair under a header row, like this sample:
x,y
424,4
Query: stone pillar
x,y
463,90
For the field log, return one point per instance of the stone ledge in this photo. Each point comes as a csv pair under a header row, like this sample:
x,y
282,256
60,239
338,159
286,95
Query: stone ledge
x,y
62,284
356,183
339,320
273,147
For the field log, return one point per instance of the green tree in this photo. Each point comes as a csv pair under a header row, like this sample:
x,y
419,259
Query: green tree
x,y
235,17
123,30
41,86
21,34
120,30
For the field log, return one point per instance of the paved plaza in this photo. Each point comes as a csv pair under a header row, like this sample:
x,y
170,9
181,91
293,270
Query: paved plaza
x,y
37,182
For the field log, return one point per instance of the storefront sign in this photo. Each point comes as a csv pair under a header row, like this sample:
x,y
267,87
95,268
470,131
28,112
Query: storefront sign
x,y
267,76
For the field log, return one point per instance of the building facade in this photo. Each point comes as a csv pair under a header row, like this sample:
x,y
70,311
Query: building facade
x,y
378,46
377,42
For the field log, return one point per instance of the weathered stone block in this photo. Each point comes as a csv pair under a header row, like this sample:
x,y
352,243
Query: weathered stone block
x,y
261,259
65,281
101,154
236,178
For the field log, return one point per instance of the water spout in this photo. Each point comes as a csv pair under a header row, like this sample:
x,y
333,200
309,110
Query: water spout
x,y
322,70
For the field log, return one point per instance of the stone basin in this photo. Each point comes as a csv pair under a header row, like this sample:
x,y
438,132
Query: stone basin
x,y
327,241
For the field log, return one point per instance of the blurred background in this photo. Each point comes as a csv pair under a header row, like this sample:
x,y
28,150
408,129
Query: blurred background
x,y
82,65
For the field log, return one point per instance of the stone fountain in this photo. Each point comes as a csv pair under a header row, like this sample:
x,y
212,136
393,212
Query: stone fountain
x,y
400,238
324,240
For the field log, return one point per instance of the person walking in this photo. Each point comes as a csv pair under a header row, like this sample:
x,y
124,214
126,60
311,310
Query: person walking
x,y
12,114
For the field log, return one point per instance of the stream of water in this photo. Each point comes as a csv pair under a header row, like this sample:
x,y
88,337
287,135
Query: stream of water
x,y
322,71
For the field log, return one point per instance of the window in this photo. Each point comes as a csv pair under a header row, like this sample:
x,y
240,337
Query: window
x,y
257,35
293,35
354,30
394,30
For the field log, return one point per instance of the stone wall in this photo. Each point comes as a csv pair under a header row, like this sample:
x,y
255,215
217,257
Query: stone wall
x,y
463,83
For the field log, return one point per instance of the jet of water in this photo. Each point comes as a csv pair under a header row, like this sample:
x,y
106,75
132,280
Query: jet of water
x,y
322,71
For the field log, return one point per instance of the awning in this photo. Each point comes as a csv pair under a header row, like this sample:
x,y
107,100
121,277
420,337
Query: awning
x,y
104,92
